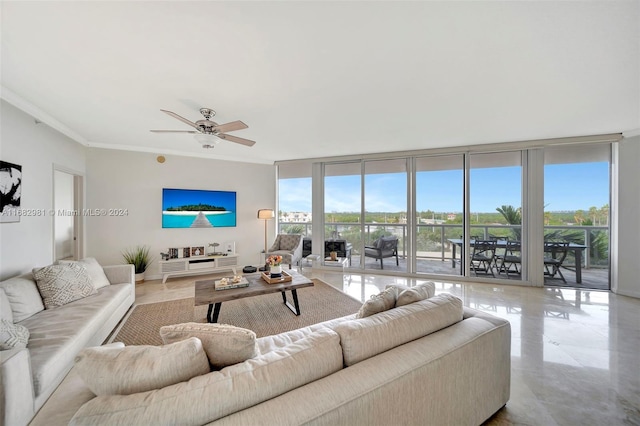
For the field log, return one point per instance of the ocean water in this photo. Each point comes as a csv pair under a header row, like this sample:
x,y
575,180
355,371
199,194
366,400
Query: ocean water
x,y
217,220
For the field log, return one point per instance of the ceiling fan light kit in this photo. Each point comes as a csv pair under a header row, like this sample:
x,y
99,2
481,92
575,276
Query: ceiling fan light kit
x,y
208,133
206,140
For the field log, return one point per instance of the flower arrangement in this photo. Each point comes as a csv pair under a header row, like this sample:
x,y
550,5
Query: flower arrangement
x,y
274,260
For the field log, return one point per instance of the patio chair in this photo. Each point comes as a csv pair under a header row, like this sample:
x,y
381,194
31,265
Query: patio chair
x,y
554,255
482,257
382,248
501,251
511,261
289,246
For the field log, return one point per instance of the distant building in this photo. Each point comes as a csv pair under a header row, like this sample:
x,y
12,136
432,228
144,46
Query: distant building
x,y
295,217
451,216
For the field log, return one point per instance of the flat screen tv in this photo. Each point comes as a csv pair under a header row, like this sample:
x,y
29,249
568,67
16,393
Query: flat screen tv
x,y
195,208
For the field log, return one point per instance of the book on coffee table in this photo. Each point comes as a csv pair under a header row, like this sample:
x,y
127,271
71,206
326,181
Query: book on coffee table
x,y
222,285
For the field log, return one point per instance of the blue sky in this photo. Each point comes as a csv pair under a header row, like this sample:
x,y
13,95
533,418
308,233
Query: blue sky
x,y
567,187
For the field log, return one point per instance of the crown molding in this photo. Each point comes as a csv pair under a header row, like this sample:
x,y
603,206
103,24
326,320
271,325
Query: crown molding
x,y
208,156
631,133
43,117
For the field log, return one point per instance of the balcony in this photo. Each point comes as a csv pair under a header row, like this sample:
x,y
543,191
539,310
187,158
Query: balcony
x,y
435,252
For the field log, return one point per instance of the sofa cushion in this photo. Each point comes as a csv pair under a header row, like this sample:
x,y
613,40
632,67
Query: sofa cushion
x,y
380,302
365,337
23,296
5,307
57,335
94,269
229,390
62,284
13,336
224,344
133,369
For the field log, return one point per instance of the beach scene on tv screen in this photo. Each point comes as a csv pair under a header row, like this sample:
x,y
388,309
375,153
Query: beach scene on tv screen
x,y
193,208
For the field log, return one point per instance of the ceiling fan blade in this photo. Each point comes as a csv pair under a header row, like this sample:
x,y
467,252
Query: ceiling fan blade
x,y
184,120
173,131
236,139
229,127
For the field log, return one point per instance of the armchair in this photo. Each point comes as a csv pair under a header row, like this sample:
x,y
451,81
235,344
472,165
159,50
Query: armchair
x,y
289,246
382,248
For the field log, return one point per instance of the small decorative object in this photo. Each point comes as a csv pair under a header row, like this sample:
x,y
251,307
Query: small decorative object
x,y
164,256
215,251
275,266
197,251
333,255
236,281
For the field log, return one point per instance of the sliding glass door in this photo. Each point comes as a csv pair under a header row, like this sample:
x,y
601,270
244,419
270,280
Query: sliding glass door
x,y
495,245
385,215
343,233
576,199
439,214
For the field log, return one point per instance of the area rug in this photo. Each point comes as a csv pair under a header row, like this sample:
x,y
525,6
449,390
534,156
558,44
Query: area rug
x,y
266,314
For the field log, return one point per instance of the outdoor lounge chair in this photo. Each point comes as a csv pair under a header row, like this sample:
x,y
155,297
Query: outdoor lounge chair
x,y
382,248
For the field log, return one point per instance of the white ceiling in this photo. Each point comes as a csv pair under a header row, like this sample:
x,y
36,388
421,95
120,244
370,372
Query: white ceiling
x,y
317,79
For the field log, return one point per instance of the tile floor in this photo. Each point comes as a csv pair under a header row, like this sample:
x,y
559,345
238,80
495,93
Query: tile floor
x,y
575,354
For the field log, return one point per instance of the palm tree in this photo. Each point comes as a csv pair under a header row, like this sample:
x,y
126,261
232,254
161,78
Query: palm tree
x,y
513,217
604,211
593,214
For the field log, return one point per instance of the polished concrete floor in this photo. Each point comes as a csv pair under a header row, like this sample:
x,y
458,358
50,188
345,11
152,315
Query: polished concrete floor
x,y
592,278
575,355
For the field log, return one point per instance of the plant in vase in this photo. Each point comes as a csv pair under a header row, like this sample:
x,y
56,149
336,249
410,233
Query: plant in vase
x,y
140,258
275,265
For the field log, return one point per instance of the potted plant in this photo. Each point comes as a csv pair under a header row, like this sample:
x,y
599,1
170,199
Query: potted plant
x,y
140,258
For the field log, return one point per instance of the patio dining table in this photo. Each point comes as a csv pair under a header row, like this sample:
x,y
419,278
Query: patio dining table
x,y
575,248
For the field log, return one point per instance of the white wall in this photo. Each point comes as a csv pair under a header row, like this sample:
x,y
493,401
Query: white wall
x,y
628,248
134,181
36,147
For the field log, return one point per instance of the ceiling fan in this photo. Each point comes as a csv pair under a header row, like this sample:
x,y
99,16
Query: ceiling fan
x,y
208,132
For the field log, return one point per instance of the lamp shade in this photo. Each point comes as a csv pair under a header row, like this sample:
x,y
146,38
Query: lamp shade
x,y
266,214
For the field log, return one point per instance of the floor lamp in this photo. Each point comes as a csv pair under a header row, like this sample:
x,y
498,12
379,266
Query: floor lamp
x,y
265,214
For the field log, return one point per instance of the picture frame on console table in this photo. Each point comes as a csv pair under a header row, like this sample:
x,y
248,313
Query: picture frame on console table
x,y
197,251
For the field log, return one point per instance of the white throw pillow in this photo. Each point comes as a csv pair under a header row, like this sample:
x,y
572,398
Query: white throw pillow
x,y
415,294
96,273
23,296
5,307
380,302
224,344
13,336
133,369
62,284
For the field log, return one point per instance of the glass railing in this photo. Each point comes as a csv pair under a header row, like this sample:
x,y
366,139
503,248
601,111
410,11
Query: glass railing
x,y
432,240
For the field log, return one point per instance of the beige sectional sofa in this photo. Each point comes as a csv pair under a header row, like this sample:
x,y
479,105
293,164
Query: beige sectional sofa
x,y
30,375
428,362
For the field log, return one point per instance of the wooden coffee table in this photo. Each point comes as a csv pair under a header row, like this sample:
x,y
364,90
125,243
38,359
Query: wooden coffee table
x,y
206,293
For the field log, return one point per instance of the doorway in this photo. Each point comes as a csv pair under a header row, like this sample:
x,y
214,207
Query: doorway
x,y
67,220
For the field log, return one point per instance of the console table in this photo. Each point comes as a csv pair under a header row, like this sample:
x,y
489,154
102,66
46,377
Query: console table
x,y
197,265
